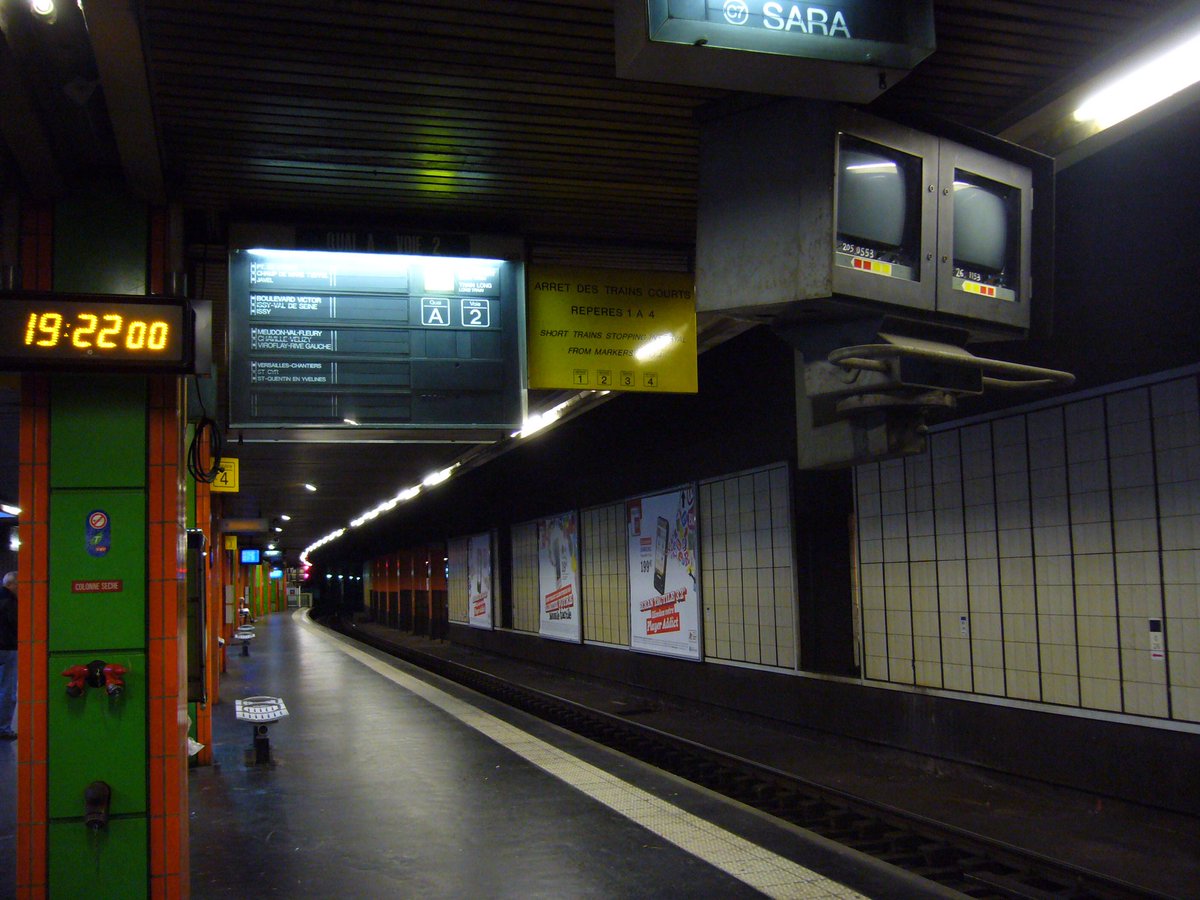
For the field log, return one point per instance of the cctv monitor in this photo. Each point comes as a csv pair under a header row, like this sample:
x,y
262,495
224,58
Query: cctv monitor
x,y
877,196
250,557
884,215
984,222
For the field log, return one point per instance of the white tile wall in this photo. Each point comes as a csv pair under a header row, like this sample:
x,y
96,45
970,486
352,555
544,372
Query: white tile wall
x,y
869,521
1027,556
457,589
1175,413
526,590
748,582
604,579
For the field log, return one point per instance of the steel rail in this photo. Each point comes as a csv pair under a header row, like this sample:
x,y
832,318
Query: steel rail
x,y
973,864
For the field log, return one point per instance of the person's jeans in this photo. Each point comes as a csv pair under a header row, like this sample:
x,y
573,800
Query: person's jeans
x,y
8,689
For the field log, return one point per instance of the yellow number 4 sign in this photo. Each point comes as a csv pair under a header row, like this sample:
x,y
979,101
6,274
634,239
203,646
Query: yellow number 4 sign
x,y
227,477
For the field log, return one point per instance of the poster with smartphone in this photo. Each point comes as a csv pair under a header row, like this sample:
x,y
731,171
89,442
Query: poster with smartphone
x,y
479,581
664,597
558,578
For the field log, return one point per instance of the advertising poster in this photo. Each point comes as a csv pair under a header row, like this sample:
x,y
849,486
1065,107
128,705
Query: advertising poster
x,y
558,578
664,598
479,581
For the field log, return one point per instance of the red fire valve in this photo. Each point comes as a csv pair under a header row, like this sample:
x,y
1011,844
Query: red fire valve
x,y
78,676
114,681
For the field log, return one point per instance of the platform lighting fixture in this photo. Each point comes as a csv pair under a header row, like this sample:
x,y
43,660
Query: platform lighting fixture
x,y
10,509
43,8
14,542
285,518
350,421
278,530
332,536
1152,75
536,423
310,487
1166,74
435,478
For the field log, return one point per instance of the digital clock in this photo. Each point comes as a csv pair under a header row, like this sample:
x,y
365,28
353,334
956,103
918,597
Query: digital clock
x,y
95,332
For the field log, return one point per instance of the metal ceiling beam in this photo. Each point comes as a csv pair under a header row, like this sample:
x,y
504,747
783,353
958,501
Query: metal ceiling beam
x,y
20,126
120,59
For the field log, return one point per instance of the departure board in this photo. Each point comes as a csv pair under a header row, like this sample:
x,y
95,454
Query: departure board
x,y
374,340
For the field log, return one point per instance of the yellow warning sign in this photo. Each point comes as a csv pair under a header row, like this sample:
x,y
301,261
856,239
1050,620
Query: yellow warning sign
x,y
231,542
226,481
611,330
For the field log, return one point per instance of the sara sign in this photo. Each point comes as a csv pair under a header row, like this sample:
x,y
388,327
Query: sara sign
x,y
827,40
558,578
838,31
664,598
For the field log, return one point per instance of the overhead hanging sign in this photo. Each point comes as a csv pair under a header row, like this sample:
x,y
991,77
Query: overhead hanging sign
x,y
345,340
611,330
847,50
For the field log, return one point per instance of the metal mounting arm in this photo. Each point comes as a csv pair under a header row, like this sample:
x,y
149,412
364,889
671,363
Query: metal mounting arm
x,y
872,358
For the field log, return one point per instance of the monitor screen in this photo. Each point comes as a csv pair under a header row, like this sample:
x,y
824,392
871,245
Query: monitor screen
x,y
251,557
878,207
987,231
276,573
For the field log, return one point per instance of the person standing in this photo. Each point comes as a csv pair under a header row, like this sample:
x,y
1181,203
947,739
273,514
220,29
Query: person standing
x,y
8,656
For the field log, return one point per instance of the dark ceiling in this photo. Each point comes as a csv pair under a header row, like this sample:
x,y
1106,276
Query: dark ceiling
x,y
455,115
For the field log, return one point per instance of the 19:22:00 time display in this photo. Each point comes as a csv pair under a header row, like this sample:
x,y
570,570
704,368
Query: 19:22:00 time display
x,y
95,333
89,331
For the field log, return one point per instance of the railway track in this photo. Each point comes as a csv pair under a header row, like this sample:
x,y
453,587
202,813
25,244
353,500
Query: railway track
x,y
974,865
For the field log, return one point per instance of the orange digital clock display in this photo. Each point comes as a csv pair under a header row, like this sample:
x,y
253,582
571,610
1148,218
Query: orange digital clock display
x,y
94,333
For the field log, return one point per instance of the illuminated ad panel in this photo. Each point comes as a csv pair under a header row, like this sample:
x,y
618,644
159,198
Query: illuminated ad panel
x,y
611,330
664,596
479,581
331,339
558,578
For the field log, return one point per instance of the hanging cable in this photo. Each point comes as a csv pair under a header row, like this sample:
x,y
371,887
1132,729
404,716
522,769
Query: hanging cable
x,y
195,469
205,426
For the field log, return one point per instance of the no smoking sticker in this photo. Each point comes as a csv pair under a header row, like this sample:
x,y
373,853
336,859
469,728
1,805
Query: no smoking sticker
x,y
98,533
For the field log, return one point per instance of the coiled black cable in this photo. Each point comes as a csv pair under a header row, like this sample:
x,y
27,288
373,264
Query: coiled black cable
x,y
198,472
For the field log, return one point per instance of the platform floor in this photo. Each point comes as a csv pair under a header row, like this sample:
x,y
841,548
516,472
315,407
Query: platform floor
x,y
386,781
1155,849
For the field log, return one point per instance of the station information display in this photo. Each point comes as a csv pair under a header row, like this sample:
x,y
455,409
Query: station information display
x,y
376,340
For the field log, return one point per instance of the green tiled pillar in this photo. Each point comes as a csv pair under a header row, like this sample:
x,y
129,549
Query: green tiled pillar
x,y
98,576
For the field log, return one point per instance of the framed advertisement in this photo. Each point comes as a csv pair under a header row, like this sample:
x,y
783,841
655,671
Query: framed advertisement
x,y
479,581
560,615
664,595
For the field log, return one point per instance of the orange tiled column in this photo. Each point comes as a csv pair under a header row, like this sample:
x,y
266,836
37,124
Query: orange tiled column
x,y
167,653
33,640
37,261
